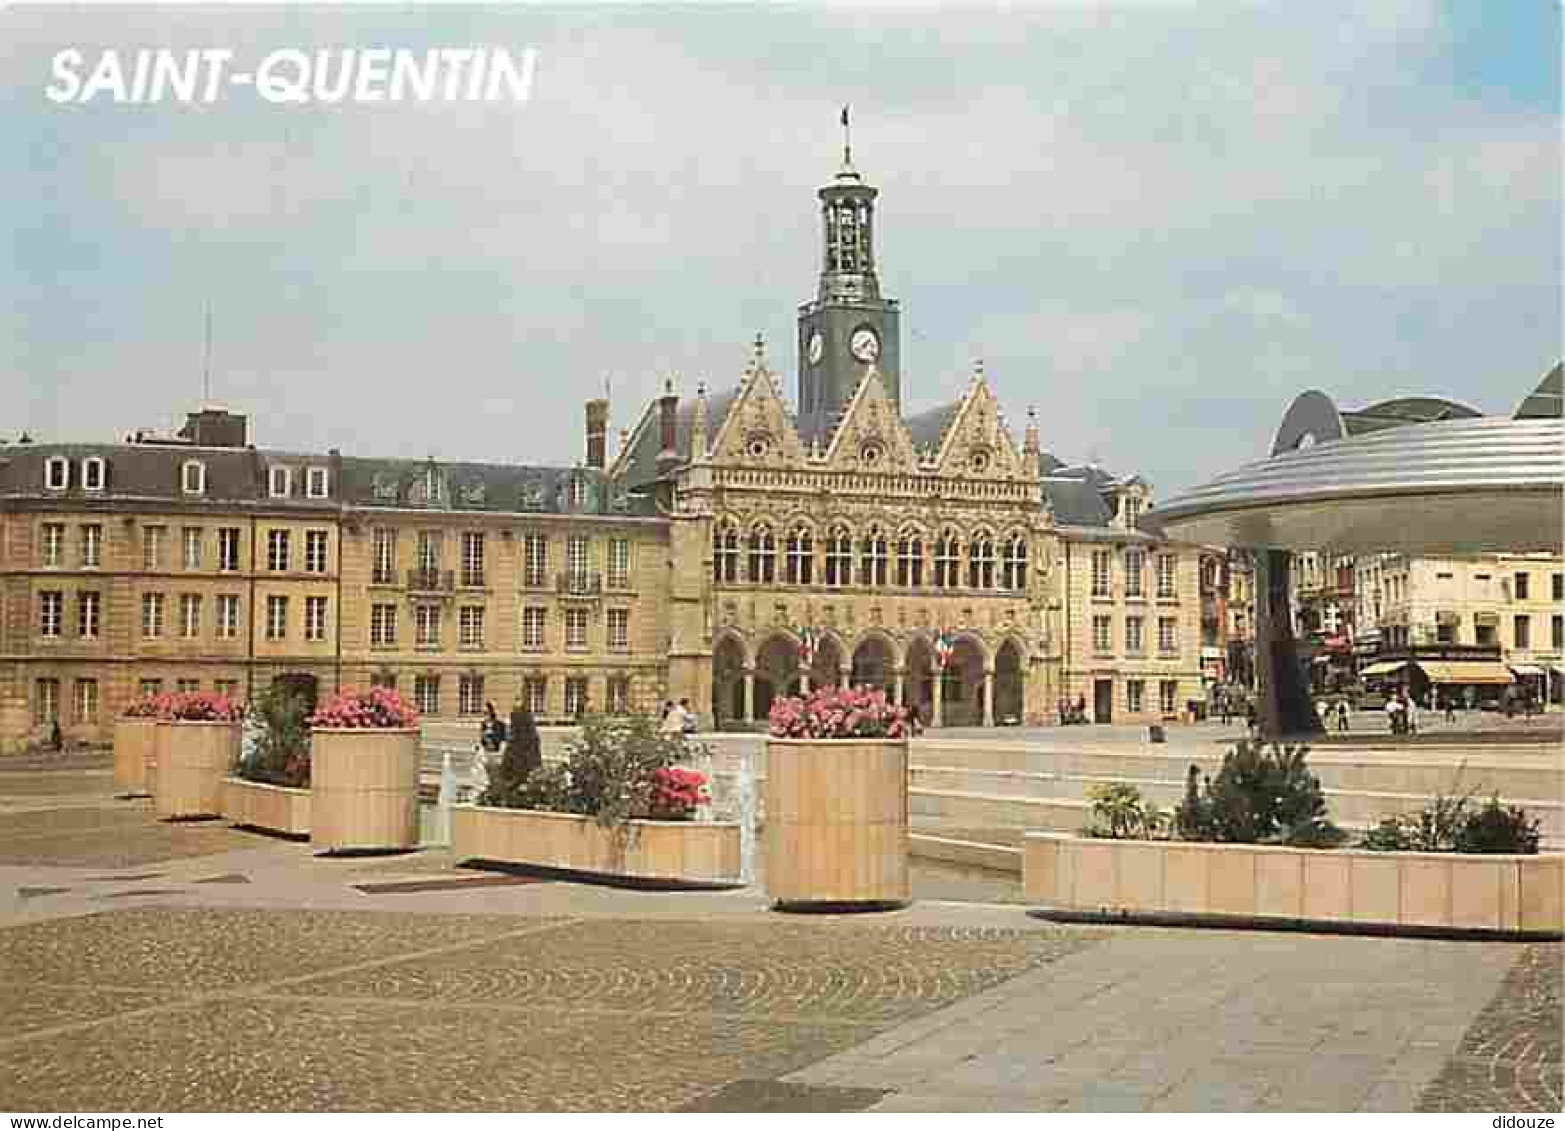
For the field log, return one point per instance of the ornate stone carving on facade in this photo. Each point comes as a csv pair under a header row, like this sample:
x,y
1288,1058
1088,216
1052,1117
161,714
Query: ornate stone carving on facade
x,y
474,493
532,498
731,612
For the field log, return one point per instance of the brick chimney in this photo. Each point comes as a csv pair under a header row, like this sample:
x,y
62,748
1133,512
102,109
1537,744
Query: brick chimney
x,y
668,428
597,433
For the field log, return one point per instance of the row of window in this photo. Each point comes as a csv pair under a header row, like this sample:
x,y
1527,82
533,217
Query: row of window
x,y
470,627
1135,642
93,476
1489,634
429,556
879,561
193,545
470,700
1134,573
1167,696
85,699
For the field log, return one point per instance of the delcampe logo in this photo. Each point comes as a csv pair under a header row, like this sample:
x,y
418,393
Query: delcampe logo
x,y
328,75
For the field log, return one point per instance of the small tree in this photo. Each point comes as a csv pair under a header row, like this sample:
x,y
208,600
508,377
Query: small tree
x,y
1258,798
523,758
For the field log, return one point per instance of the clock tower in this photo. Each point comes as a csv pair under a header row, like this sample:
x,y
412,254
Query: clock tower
x,y
848,326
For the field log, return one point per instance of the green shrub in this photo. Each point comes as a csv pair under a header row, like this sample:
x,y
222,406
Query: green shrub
x,y
523,757
611,772
612,764
1257,798
1119,812
1497,828
1451,824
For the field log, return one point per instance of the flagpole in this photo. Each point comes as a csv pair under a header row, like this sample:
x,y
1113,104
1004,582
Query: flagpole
x,y
847,140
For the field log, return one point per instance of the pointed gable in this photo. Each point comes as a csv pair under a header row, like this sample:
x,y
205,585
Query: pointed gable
x,y
870,435
976,440
755,429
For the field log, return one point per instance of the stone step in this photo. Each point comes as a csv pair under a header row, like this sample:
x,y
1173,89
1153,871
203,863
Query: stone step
x,y
1507,772
1062,814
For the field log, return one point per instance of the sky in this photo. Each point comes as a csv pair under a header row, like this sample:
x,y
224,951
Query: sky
x,y
1156,222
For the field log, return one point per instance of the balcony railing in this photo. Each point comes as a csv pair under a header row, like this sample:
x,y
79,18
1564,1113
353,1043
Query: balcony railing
x,y
579,584
431,580
472,579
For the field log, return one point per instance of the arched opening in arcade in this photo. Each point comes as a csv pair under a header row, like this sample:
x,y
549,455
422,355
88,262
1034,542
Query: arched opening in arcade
x,y
962,685
1009,689
776,672
873,664
727,681
826,667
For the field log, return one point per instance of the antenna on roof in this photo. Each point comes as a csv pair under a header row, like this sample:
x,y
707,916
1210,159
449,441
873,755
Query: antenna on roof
x,y
206,361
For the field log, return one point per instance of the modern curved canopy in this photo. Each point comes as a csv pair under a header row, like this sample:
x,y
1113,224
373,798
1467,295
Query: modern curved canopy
x,y
1456,485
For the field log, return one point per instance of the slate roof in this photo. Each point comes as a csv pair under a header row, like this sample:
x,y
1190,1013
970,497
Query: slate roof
x,y
135,471
240,476
487,487
928,428
1076,501
642,466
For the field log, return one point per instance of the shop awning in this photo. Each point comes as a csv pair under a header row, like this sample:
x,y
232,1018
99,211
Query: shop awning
x,y
1527,669
1384,667
1471,671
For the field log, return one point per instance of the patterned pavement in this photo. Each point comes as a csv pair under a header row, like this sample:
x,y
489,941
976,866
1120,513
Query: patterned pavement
x,y
189,1009
1511,1058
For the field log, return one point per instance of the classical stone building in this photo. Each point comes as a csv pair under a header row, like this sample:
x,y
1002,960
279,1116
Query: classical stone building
x,y
734,549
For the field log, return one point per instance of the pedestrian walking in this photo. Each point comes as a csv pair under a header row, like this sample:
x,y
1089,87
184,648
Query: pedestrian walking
x,y
1342,716
688,723
1450,707
491,732
673,720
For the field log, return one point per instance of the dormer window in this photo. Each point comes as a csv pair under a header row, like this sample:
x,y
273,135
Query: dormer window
x,y
192,477
92,473
281,482
578,492
56,473
316,483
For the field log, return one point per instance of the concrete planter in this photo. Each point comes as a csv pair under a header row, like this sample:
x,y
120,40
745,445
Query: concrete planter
x,y
1412,891
673,852
192,759
363,789
133,751
837,821
260,805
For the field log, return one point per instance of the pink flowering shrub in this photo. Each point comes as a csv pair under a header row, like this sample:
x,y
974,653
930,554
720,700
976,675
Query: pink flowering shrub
x,y
834,712
187,706
676,792
379,708
159,706
206,707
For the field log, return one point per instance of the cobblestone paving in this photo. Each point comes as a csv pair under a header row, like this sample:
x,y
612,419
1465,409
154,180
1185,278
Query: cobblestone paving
x,y
239,1010
1510,1060
109,838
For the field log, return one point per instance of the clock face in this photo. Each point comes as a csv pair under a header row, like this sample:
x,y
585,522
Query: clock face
x,y
864,344
817,347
